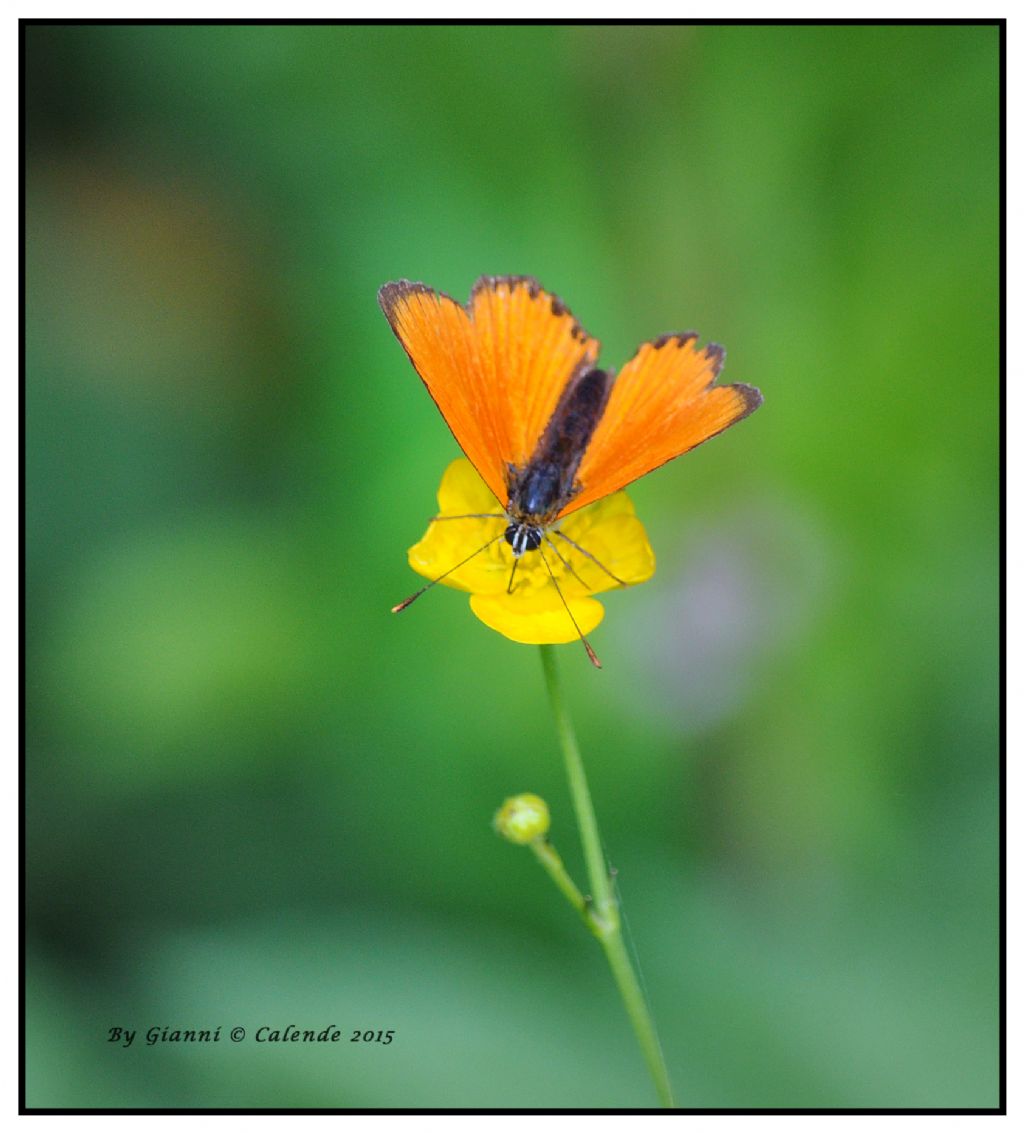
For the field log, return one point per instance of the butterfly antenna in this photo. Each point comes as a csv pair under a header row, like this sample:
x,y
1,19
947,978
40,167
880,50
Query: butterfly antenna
x,y
592,558
423,589
470,515
586,644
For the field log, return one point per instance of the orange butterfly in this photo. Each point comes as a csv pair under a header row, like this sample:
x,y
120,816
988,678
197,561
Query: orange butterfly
x,y
516,379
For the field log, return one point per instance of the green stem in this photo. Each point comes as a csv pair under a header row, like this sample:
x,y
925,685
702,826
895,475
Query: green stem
x,y
604,919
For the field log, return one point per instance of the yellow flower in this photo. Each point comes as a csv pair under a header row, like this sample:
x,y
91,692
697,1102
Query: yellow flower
x,y
611,550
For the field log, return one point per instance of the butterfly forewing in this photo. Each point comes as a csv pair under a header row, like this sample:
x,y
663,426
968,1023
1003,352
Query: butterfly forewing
x,y
535,346
438,336
496,368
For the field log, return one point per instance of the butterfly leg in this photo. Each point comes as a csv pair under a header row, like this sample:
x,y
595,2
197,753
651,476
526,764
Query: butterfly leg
x,y
515,563
565,562
594,560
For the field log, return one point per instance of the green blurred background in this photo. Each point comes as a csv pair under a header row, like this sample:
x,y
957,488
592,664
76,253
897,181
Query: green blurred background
x,y
255,797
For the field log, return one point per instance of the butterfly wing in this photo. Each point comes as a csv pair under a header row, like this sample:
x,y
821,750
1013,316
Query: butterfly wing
x,y
663,403
496,367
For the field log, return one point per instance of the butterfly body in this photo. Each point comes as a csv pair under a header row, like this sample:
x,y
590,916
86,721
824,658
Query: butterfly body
x,y
540,490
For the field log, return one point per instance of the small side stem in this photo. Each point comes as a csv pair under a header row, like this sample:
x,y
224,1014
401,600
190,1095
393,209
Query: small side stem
x,y
604,914
549,858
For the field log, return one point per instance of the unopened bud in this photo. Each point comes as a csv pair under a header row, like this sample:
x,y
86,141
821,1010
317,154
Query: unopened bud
x,y
523,818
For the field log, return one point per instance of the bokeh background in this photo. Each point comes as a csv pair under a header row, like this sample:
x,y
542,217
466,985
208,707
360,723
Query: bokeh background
x,y
255,797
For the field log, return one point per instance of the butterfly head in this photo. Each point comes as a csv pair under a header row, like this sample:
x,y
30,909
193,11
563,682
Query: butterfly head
x,y
523,537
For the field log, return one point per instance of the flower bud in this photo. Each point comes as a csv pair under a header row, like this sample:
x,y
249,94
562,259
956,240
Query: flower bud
x,y
522,818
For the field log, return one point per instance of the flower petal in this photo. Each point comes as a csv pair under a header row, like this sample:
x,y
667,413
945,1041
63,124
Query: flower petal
x,y
449,541
592,550
536,624
462,492
610,541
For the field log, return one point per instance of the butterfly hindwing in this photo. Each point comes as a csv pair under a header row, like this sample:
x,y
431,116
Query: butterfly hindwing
x,y
496,367
663,403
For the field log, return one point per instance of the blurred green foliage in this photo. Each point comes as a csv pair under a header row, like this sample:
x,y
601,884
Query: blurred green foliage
x,y
254,796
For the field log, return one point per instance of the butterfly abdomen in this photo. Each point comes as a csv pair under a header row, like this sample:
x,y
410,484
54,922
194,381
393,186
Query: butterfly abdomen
x,y
546,483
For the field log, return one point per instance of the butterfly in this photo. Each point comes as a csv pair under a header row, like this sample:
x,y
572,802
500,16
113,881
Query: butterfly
x,y
516,379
